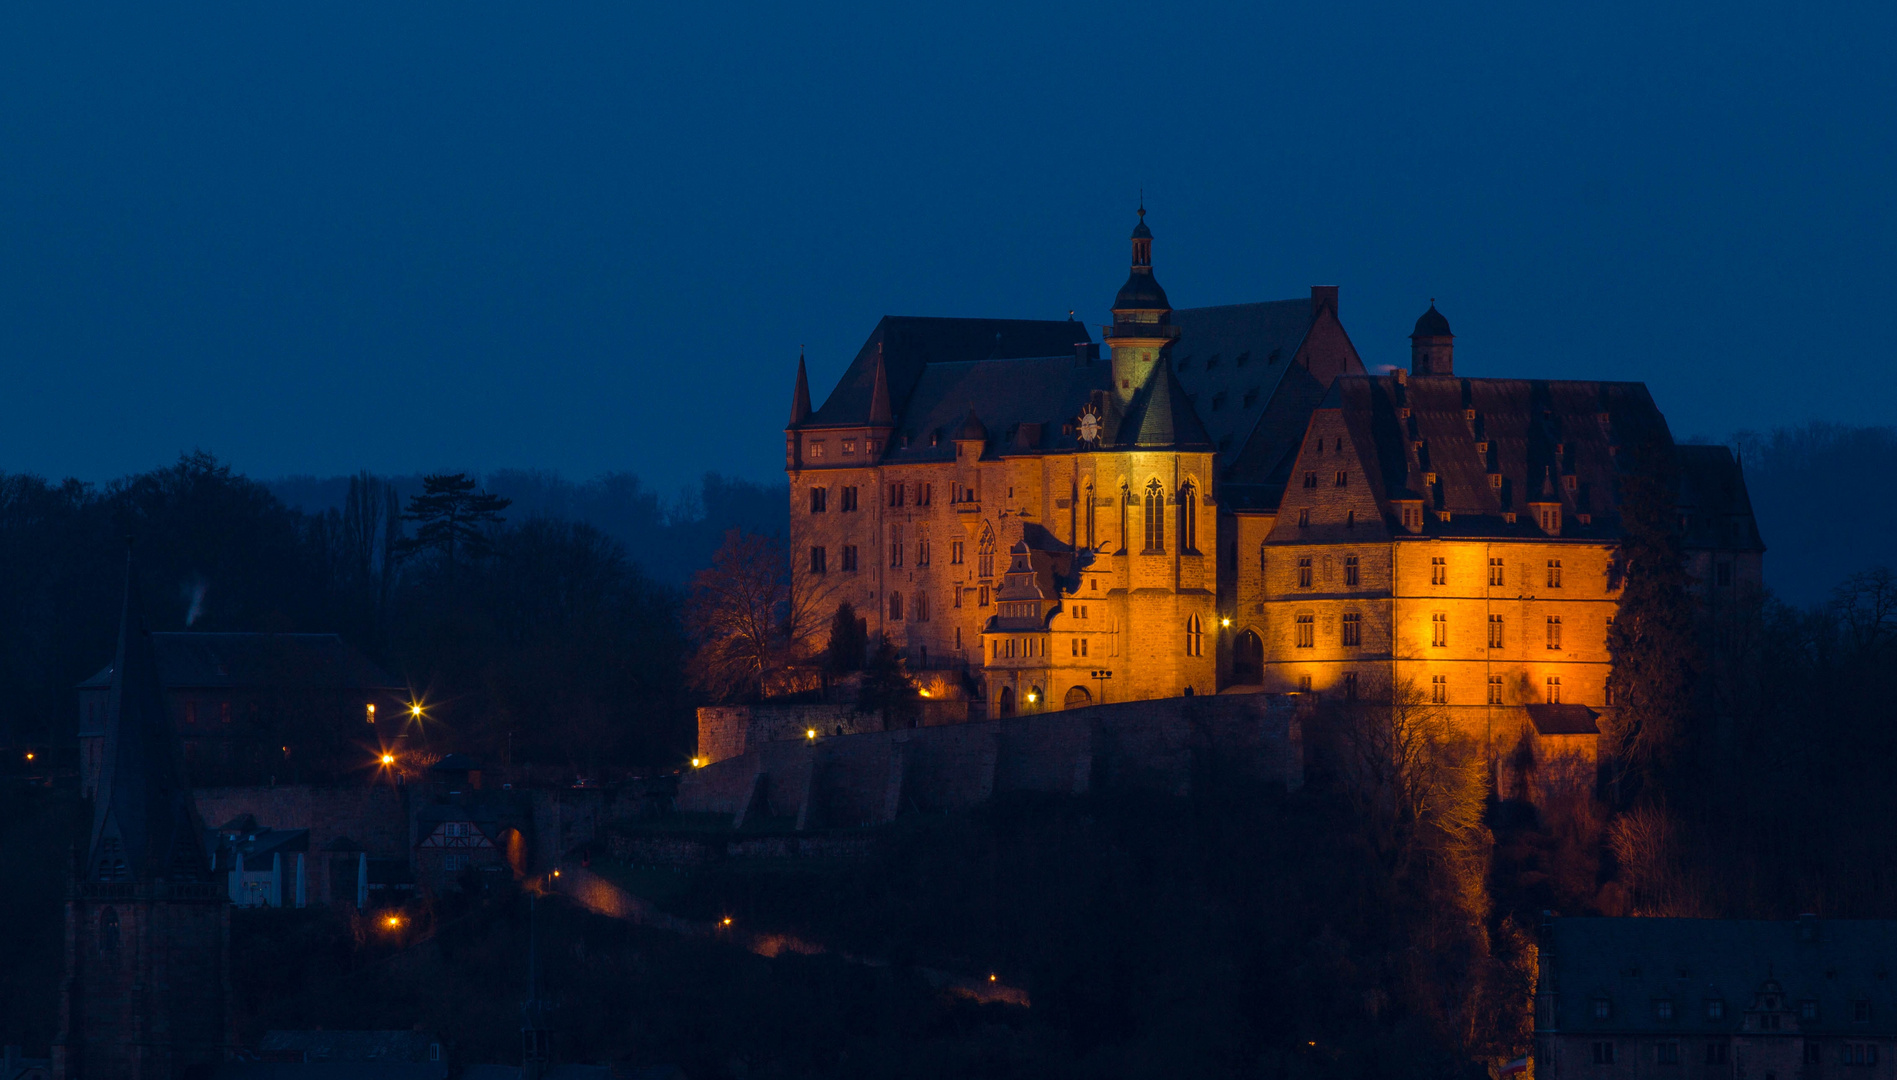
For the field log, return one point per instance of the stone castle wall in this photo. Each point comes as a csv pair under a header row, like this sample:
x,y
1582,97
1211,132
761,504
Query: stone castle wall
x,y
875,776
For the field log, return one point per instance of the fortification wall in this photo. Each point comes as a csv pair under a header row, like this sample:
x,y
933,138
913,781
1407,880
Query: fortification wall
x,y
725,731
871,777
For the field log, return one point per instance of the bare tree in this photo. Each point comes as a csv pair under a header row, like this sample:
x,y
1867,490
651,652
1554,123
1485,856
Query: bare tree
x,y
752,619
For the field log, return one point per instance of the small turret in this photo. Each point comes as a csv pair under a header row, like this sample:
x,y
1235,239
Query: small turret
x,y
1432,346
1142,319
800,397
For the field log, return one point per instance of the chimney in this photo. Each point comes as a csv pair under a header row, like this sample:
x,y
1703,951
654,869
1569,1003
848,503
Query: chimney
x,y
1323,296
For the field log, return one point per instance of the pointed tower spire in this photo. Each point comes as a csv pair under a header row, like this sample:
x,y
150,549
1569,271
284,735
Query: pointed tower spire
x,y
880,413
1142,330
800,397
145,827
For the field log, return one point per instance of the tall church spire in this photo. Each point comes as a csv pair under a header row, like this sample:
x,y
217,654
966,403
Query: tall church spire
x,y
145,827
800,397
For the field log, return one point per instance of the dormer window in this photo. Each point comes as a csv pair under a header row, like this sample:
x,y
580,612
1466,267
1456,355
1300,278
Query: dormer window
x,y
1551,519
1663,1009
1413,516
1573,482
1495,481
849,447
1715,1009
816,449
1808,1010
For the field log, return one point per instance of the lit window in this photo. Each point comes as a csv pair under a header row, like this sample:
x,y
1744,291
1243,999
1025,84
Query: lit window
x,y
816,450
1195,636
849,447
1439,689
1439,630
1307,631
1343,480
1155,518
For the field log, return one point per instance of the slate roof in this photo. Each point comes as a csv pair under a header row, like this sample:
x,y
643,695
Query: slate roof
x,y
1162,416
1230,360
145,825
1534,434
1003,395
1564,719
255,844
909,344
306,661
1713,500
1634,963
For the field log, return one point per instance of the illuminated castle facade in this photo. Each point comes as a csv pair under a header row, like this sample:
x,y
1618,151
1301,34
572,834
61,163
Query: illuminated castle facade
x,y
1229,502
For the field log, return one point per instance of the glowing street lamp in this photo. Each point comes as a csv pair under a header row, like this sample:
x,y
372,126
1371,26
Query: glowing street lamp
x,y
391,922
1227,621
811,734
387,759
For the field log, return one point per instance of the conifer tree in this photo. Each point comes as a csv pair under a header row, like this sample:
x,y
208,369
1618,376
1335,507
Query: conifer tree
x,y
453,518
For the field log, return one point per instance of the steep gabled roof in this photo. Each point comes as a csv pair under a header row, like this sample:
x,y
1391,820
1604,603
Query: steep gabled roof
x,y
1231,358
1162,416
145,827
1713,500
908,344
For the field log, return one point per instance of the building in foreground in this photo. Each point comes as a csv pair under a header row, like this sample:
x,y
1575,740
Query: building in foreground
x,y
1716,999
1229,501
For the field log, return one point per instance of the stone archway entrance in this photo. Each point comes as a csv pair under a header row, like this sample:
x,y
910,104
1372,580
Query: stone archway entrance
x,y
1248,660
1077,698
1005,703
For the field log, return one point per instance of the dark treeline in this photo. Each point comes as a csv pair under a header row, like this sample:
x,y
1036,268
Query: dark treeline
x,y
552,646
672,538
1798,478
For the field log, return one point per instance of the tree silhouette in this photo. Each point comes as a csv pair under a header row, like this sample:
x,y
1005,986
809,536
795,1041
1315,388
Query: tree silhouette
x,y
453,518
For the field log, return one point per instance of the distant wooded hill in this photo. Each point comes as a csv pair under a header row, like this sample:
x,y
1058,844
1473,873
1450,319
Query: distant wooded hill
x,y
1826,499
671,539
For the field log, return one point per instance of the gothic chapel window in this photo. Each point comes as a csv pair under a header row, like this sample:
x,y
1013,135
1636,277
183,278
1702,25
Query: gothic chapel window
x,y
1188,518
986,555
1155,517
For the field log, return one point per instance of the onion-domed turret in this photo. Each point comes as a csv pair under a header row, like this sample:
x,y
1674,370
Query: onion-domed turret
x,y
1142,318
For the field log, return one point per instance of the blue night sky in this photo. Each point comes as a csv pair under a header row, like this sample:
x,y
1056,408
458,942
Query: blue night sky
x,y
312,238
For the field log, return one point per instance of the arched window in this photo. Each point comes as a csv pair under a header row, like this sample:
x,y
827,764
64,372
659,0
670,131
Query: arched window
x,y
1005,703
1188,518
1077,697
895,605
1248,660
986,556
1195,636
1090,509
1155,517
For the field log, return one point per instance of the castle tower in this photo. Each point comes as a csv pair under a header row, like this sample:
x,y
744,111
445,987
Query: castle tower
x,y
1432,346
1142,327
147,924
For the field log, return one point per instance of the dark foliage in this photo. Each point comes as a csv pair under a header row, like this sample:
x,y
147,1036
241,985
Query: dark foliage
x,y
453,521
849,641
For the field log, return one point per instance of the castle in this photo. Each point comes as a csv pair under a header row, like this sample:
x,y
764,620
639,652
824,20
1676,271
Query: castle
x,y
1230,502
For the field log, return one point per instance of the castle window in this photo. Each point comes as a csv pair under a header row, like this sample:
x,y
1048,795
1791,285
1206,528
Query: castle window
x,y
955,598
1304,684
1310,478
817,565
1343,480
1439,689
958,630
1495,631
1715,1009
1304,572
1495,481
896,493
1438,571
1439,630
1495,690
1554,573
1195,636
1603,1009
1553,690
816,449
1188,519
925,494
922,607
1350,686
1572,481
1551,520
1663,1010
922,552
1353,629
1307,631
895,605
1554,631
849,558
1304,518
818,496
895,545
849,447
1351,576
985,557
955,552
1858,1053
1412,517
849,499
1155,518
1350,519
1808,1009
981,598
1264,564
1495,571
